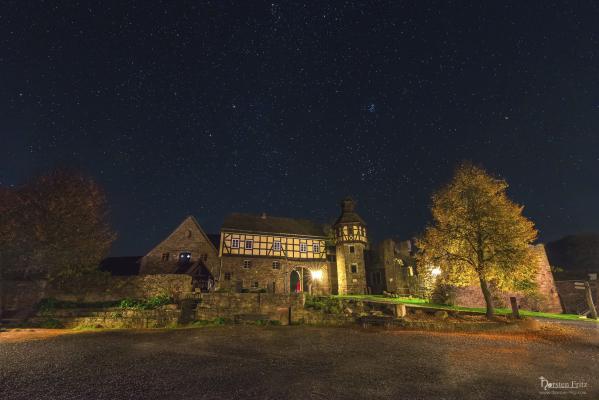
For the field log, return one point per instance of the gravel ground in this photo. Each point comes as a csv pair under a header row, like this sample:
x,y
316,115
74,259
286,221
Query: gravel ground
x,y
292,362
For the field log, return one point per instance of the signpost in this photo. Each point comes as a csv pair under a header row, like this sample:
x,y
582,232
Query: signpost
x,y
589,297
515,310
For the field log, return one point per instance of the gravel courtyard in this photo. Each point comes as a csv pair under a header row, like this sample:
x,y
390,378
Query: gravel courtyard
x,y
292,362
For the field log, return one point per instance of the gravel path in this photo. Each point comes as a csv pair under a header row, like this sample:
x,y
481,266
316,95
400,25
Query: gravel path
x,y
292,362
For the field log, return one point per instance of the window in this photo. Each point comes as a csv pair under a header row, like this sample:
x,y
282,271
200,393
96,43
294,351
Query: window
x,y
184,257
276,246
189,233
316,248
354,268
234,243
247,264
303,247
227,276
165,256
276,265
249,244
352,249
255,285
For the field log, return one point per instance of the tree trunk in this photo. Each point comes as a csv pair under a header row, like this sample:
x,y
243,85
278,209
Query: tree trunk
x,y
488,299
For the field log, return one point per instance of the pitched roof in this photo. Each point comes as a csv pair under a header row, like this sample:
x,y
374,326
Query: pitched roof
x,y
348,213
268,224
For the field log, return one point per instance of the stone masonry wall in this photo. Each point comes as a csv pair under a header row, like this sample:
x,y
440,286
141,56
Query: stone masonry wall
x,y
19,298
574,300
262,271
120,287
232,305
547,299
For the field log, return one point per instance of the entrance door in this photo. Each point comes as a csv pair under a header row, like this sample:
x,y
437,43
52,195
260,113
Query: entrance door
x,y
295,282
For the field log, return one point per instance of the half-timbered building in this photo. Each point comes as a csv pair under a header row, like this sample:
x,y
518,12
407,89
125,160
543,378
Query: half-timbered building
x,y
266,253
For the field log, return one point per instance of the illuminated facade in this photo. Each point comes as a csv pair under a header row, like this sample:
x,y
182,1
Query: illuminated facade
x,y
265,253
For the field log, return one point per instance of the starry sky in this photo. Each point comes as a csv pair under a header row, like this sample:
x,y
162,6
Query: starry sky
x,y
212,107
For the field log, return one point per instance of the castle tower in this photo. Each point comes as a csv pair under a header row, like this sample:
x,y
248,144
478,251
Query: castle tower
x,y
350,243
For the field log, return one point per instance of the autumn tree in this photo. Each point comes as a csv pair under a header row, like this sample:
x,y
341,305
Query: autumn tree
x,y
478,235
54,226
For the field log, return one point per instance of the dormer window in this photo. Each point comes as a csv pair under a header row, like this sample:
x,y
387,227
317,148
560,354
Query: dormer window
x,y
235,243
249,244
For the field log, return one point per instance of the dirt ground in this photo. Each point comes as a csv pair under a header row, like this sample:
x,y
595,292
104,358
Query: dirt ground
x,y
296,362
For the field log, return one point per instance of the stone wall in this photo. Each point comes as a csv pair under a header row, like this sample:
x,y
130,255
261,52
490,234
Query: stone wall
x,y
235,277
546,300
120,287
109,318
274,307
574,300
232,305
19,298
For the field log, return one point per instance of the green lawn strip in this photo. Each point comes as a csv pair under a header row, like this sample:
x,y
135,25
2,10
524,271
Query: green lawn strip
x,y
415,302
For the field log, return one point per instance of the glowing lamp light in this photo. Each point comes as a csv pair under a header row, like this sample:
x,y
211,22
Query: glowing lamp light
x,y
317,275
436,271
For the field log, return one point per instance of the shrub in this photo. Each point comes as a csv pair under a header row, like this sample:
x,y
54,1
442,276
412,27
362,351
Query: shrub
x,y
51,323
329,305
147,304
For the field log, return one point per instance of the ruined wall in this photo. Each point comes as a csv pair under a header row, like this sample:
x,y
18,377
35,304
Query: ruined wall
x,y
574,300
120,287
546,300
235,277
232,305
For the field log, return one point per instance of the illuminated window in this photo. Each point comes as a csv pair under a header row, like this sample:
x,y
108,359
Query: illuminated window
x,y
316,248
276,246
352,249
303,247
165,256
249,244
227,276
247,264
354,268
410,271
276,265
235,243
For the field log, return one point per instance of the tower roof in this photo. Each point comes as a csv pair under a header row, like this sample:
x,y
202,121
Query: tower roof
x,y
348,213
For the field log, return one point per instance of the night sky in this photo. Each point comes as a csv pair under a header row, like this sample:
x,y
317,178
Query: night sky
x,y
207,108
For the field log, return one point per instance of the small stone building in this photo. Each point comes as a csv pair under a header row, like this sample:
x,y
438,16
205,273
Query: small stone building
x,y
187,250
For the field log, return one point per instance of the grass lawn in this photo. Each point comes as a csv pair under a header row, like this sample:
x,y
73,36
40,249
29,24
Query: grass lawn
x,y
416,302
